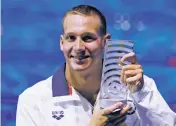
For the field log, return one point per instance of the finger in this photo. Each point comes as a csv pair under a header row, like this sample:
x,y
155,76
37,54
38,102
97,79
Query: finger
x,y
113,116
128,67
122,76
133,72
110,109
130,56
124,79
131,67
134,78
125,109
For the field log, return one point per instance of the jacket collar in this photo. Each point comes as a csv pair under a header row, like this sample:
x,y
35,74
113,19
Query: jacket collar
x,y
59,83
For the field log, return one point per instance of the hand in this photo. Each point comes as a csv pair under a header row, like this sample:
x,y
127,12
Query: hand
x,y
105,116
132,74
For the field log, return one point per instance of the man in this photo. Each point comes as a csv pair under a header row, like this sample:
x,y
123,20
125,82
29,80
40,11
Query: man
x,y
70,97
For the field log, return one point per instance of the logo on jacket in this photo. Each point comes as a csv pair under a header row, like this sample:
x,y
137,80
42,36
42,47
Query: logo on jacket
x,y
58,114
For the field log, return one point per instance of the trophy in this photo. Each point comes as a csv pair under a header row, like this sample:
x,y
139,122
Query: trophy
x,y
112,91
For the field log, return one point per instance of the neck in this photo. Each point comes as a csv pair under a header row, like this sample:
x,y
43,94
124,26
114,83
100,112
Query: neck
x,y
87,82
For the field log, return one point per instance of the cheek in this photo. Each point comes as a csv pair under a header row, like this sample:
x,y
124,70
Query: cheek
x,y
67,47
95,48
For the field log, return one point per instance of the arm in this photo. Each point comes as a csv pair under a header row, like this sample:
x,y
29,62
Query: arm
x,y
151,107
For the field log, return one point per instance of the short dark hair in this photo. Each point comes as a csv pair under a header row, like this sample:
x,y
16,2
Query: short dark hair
x,y
88,10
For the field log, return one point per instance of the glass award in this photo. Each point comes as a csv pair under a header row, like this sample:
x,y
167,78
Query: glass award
x,y
112,91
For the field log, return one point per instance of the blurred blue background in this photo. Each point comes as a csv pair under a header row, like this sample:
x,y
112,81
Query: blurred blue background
x,y
31,29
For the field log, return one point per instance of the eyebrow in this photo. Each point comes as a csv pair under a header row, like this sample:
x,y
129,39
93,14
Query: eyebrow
x,y
84,34
70,33
90,34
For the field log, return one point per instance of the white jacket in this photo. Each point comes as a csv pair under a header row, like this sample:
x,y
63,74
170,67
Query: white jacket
x,y
47,103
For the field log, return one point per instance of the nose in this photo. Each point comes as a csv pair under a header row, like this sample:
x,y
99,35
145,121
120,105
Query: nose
x,y
79,45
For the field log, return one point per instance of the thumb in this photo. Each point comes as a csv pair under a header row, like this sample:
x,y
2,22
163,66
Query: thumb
x,y
111,108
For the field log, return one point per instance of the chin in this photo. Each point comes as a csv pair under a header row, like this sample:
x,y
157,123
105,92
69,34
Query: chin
x,y
80,66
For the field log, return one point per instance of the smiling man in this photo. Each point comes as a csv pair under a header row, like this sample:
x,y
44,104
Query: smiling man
x,y
82,44
70,97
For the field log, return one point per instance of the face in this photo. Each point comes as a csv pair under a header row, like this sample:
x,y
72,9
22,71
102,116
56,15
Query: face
x,y
81,42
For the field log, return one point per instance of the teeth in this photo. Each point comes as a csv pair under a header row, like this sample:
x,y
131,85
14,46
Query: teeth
x,y
80,57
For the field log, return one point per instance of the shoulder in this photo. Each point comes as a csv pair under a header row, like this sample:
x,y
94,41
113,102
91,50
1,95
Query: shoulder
x,y
40,91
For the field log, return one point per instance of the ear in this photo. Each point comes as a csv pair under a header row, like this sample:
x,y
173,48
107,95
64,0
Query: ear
x,y
107,36
61,42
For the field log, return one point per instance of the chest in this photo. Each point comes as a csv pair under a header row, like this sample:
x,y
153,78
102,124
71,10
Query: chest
x,y
68,111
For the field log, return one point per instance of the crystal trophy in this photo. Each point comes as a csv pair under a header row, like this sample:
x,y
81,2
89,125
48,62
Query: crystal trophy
x,y
112,91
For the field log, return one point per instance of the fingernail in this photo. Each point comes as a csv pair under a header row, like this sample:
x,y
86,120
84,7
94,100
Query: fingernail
x,y
138,83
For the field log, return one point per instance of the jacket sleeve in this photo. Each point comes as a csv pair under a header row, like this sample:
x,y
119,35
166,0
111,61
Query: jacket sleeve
x,y
151,108
27,112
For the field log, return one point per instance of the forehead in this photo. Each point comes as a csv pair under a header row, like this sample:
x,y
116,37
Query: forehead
x,y
79,24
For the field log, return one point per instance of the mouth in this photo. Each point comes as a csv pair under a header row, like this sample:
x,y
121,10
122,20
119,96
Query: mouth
x,y
80,57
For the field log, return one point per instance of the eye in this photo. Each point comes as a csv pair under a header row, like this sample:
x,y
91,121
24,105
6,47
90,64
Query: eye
x,y
70,38
88,38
